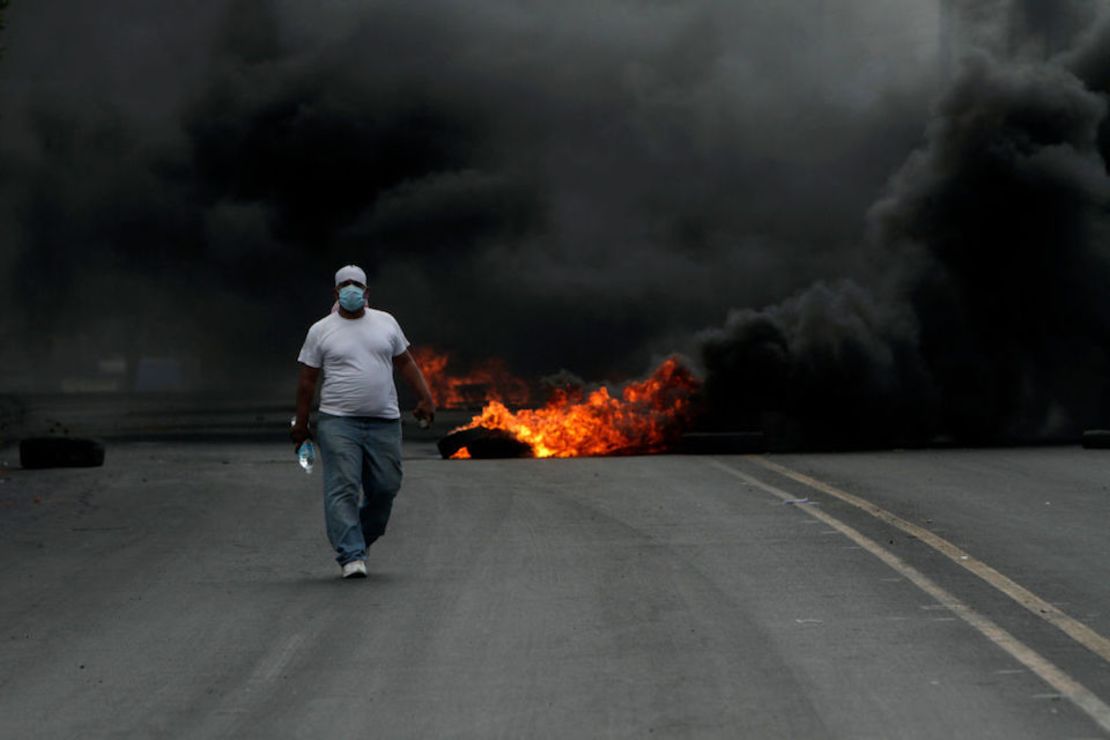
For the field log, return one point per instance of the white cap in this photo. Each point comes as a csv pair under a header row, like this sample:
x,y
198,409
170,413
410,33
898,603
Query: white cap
x,y
350,272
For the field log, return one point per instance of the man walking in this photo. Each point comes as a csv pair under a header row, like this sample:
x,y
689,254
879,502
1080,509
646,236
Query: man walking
x,y
359,428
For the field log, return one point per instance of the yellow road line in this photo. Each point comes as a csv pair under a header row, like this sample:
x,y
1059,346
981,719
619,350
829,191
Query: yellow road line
x,y
1073,628
1068,687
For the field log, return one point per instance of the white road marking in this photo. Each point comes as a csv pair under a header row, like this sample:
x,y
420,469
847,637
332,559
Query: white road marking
x,y
1068,687
1073,628
258,683
269,669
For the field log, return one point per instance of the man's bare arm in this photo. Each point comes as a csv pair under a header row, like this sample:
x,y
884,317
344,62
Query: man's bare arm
x,y
410,371
306,389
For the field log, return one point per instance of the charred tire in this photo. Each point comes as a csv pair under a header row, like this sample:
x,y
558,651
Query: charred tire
x,y
1096,439
60,452
484,444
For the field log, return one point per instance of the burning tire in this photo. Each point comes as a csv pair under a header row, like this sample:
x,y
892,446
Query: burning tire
x,y
484,444
60,452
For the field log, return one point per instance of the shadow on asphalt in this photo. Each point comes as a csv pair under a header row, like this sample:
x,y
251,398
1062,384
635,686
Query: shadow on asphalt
x,y
331,583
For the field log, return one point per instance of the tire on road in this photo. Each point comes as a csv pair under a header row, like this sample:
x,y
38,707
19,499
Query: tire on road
x,y
484,444
1096,439
60,452
722,443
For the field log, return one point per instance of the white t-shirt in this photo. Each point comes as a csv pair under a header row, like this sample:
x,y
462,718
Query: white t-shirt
x,y
357,358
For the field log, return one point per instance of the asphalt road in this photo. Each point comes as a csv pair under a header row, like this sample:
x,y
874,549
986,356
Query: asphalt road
x,y
187,590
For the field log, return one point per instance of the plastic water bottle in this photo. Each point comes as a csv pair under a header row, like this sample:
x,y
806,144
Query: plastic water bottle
x,y
306,455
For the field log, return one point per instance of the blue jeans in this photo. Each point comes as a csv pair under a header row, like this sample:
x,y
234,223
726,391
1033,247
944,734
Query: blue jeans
x,y
362,473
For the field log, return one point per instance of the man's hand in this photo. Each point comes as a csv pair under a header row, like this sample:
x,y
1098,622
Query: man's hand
x,y
299,433
425,412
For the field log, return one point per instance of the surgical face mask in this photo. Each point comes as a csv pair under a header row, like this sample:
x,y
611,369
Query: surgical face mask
x,y
351,297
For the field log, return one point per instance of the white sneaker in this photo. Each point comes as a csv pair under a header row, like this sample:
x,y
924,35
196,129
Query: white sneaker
x,y
355,569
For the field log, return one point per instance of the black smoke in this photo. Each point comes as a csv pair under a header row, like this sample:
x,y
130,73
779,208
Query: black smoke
x,y
567,186
985,317
575,186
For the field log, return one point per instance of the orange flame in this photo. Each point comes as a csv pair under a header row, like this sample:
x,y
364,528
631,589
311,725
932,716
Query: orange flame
x,y
647,417
489,380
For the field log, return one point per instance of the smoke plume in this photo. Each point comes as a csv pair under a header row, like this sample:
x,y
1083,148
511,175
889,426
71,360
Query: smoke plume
x,y
984,317
576,186
572,185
